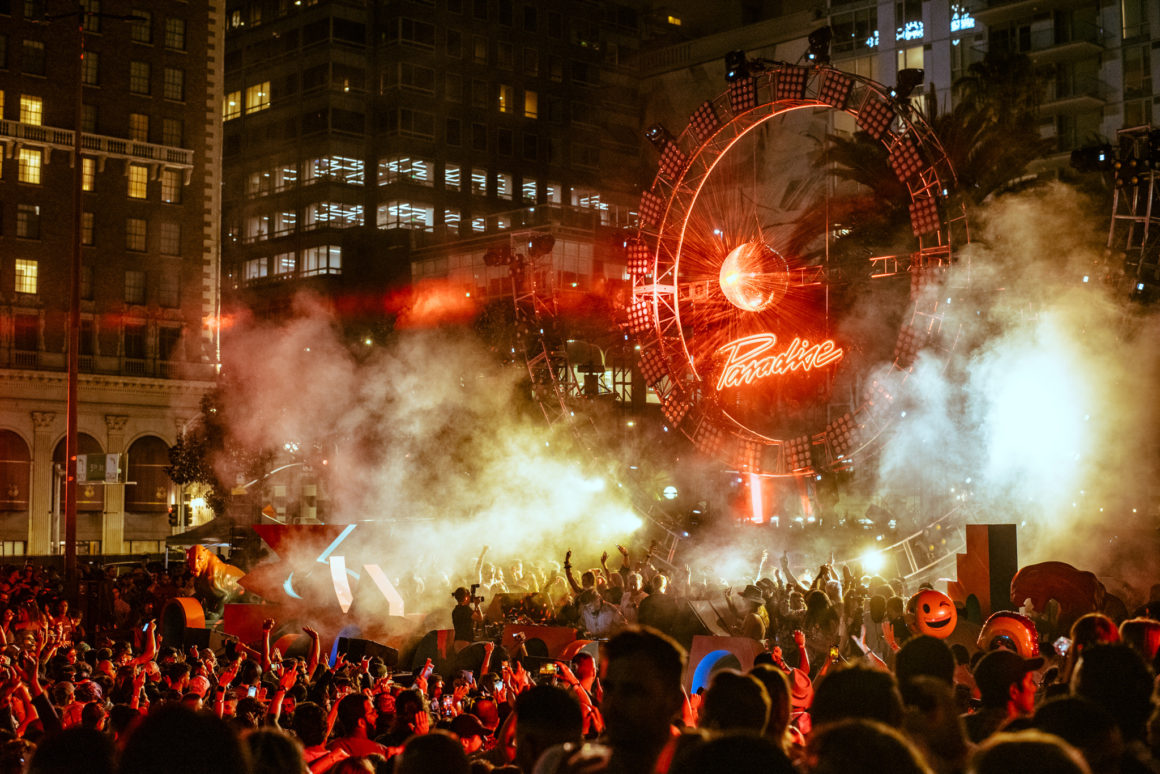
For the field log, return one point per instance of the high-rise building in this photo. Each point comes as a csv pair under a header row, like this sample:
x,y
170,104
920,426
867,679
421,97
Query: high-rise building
x,y
364,140
146,100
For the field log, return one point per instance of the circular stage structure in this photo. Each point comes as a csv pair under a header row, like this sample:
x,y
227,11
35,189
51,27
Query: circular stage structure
x,y
764,349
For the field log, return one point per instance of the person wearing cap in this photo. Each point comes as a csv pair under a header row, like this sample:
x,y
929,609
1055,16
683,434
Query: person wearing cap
x,y
464,617
470,732
753,619
1007,687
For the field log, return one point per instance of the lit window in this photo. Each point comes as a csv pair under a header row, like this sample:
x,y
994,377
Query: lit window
x,y
135,234
479,181
333,214
31,160
175,34
340,168
503,185
258,97
25,276
504,98
31,110
88,174
138,181
405,215
478,225
531,105
528,191
675,21
139,74
174,86
254,269
171,186
552,193
232,105
404,169
87,229
451,218
322,260
139,127
284,264
452,177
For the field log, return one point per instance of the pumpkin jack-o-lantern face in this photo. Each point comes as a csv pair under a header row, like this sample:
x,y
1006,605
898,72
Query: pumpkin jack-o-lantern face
x,y
934,614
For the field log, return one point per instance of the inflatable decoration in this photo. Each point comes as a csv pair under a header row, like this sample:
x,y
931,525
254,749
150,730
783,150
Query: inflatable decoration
x,y
934,613
1011,631
1077,591
215,582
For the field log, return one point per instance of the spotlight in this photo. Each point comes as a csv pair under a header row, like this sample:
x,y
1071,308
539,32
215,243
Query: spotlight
x,y
1095,158
736,66
908,80
658,135
819,50
540,244
497,256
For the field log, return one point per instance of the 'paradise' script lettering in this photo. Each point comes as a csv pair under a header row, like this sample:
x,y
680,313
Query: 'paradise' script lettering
x,y
746,359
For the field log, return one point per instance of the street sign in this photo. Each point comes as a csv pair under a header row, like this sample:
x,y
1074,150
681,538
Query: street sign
x,y
99,469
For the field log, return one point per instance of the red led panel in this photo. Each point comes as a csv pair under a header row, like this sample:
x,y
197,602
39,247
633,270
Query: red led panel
x,y
791,82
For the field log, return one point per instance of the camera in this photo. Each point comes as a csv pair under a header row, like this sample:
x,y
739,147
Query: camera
x,y
475,600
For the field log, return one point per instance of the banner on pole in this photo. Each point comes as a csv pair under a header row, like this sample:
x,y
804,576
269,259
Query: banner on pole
x,y
99,469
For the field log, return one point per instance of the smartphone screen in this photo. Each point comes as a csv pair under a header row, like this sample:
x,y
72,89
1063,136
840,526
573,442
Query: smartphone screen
x,y
253,691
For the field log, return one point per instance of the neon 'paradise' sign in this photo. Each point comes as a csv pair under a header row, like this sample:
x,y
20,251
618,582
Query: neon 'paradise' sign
x,y
746,359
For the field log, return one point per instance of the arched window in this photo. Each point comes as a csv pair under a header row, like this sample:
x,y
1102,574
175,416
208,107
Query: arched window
x,y
15,467
90,497
148,487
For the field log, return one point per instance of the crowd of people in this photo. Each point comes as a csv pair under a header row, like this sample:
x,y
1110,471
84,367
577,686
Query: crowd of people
x,y
843,681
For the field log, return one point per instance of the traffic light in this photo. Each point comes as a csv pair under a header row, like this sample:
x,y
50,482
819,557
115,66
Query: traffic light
x,y
174,519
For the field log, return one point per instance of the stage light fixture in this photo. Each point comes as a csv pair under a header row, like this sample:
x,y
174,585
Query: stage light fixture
x,y
540,244
743,95
736,66
908,80
675,407
835,89
640,259
639,317
658,135
704,122
905,160
819,45
797,452
876,116
652,367
500,255
924,215
651,209
673,161
791,82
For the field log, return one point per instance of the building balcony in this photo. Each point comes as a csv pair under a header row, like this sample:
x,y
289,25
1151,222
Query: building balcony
x,y
995,12
153,368
14,135
1048,47
1078,96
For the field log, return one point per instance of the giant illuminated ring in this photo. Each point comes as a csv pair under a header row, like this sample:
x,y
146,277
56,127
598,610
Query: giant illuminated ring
x,y
734,323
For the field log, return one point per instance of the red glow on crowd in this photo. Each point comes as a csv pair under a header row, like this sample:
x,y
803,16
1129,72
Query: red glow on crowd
x,y
744,361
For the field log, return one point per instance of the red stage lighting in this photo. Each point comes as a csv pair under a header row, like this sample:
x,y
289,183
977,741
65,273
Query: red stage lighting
x,y
704,122
876,116
651,209
791,82
652,366
904,159
639,317
743,95
797,452
640,258
673,162
924,215
835,88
